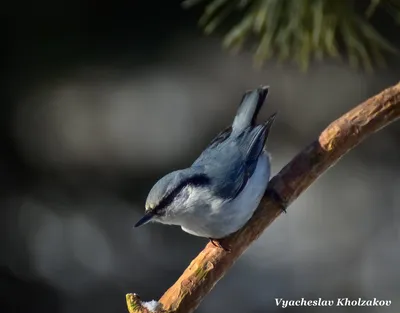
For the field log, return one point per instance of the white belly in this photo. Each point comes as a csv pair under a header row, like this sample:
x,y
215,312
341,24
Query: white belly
x,y
218,218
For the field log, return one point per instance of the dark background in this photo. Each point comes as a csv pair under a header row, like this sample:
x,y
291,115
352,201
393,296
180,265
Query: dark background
x,y
102,98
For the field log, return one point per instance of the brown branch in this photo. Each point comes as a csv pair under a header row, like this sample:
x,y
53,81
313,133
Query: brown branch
x,y
335,141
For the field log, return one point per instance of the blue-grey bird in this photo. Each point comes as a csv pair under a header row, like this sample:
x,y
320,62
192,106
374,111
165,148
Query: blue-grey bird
x,y
220,191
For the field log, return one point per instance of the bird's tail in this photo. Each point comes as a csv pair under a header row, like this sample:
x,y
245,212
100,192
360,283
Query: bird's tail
x,y
249,108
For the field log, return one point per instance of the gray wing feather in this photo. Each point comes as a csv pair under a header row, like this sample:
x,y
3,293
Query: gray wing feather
x,y
231,158
231,162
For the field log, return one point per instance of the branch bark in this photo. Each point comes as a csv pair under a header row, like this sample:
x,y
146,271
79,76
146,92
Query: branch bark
x,y
335,141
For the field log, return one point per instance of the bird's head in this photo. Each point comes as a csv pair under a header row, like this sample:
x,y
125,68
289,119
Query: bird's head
x,y
168,194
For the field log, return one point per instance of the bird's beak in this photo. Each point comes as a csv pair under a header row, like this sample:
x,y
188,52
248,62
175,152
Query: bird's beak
x,y
145,219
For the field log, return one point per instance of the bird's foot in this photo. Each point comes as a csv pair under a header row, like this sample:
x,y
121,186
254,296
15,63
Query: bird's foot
x,y
278,199
219,244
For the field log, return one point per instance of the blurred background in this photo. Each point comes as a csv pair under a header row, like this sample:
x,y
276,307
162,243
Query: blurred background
x,y
103,98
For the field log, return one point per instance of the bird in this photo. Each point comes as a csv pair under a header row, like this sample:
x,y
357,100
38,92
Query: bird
x,y
219,192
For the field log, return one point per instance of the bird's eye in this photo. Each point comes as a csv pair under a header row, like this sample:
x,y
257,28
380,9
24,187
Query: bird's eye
x,y
149,207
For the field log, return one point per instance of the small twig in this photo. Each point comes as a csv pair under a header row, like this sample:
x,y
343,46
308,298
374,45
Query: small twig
x,y
335,141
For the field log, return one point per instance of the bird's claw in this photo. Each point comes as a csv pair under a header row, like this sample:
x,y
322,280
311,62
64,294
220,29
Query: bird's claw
x,y
217,243
278,199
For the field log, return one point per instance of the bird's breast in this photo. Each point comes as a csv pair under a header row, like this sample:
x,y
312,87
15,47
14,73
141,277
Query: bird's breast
x,y
214,217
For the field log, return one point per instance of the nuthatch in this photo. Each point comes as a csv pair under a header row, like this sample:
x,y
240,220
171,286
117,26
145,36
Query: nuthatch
x,y
220,191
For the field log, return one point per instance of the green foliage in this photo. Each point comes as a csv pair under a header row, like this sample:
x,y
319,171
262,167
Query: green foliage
x,y
302,29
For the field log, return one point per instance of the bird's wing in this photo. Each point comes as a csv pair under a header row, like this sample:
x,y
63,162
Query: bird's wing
x,y
253,143
226,168
221,137
213,146
231,162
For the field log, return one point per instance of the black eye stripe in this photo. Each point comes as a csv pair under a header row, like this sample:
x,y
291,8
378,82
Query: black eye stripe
x,y
197,180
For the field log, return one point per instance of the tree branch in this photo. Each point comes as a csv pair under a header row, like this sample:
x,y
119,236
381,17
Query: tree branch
x,y
335,141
